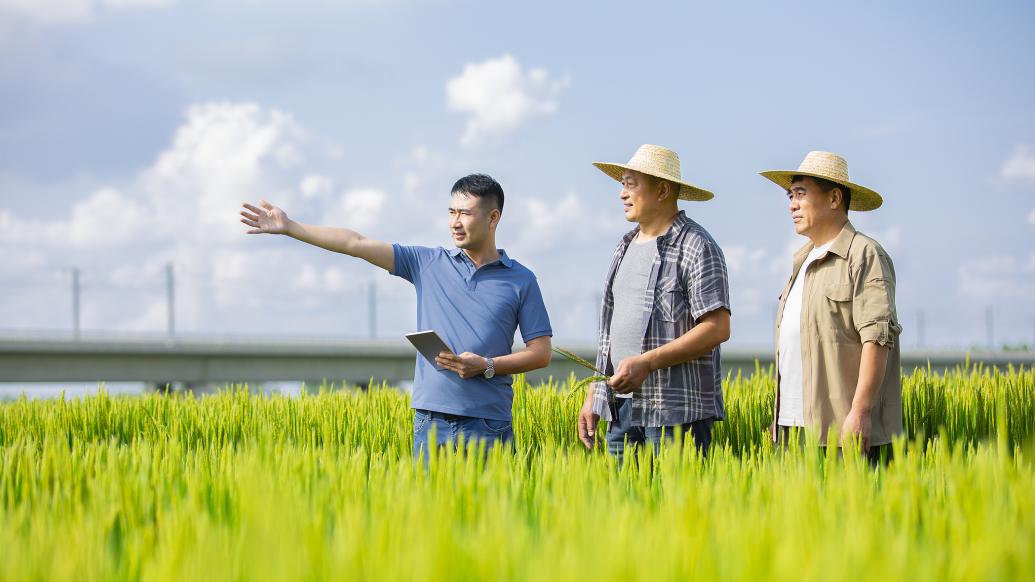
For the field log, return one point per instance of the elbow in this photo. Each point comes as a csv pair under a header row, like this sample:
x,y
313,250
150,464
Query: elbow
x,y
723,334
544,360
722,328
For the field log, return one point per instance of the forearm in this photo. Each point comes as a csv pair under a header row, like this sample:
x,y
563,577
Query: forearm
x,y
872,365
339,240
534,356
697,342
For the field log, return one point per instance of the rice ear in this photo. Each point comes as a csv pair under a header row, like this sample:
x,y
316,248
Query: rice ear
x,y
579,360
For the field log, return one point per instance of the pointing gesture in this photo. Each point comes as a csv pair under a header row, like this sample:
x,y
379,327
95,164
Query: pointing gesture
x,y
269,219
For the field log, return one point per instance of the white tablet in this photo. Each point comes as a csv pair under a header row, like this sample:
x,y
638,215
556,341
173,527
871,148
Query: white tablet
x,y
429,345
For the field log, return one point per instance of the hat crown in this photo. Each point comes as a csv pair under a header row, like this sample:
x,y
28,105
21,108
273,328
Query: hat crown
x,y
825,164
656,161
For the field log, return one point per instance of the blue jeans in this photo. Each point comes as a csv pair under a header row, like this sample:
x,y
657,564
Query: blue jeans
x,y
622,431
449,427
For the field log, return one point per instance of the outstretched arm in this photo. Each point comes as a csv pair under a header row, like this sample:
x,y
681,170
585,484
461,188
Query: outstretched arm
x,y
270,219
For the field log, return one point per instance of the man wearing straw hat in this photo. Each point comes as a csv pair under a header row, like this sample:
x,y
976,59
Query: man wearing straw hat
x,y
836,327
666,309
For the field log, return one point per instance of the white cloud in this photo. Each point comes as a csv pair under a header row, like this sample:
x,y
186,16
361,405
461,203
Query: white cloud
x,y
1031,217
139,275
889,237
106,218
539,225
56,11
998,278
313,279
741,259
154,318
782,263
184,209
499,96
1020,166
357,209
315,186
225,154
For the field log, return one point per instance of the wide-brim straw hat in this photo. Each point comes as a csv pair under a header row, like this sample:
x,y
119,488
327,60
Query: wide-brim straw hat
x,y
829,167
658,162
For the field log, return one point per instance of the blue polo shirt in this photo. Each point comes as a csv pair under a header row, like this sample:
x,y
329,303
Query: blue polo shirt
x,y
472,310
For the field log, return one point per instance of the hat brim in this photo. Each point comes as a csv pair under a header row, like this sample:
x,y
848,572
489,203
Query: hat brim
x,y
863,199
686,191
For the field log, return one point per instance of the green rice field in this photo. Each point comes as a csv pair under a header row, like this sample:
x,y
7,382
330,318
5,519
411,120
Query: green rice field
x,y
239,486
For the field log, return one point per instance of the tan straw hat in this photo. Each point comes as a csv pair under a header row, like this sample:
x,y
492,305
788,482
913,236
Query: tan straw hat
x,y
658,162
829,167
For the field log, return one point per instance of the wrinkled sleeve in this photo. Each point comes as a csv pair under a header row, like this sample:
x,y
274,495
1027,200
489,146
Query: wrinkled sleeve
x,y
601,396
873,304
409,260
707,281
532,316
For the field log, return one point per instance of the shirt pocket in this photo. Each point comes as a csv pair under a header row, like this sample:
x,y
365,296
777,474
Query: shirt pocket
x,y
670,303
834,313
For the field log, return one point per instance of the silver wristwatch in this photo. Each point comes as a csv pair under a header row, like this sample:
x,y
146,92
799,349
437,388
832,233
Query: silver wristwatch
x,y
490,371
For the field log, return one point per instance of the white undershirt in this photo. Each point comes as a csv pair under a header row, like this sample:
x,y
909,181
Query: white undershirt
x,y
792,411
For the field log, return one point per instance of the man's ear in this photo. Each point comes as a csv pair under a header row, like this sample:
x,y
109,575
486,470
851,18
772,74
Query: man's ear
x,y
494,217
837,196
668,190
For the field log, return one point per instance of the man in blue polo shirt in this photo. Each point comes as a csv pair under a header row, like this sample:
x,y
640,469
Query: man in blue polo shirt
x,y
474,296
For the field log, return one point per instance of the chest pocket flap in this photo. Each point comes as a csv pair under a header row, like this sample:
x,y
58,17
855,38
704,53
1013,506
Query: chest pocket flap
x,y
838,292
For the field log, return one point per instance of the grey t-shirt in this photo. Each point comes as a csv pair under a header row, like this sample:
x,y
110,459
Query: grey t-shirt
x,y
629,289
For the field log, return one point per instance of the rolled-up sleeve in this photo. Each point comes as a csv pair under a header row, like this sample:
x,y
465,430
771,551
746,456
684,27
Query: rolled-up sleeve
x,y
707,281
873,305
601,396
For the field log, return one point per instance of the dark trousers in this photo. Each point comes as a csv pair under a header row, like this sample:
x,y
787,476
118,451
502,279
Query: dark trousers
x,y
621,432
794,436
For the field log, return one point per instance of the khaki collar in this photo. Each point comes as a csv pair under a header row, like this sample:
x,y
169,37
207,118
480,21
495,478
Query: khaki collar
x,y
839,246
843,241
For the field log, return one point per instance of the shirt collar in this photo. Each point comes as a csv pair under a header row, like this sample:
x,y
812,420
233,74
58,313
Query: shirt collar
x,y
504,259
839,246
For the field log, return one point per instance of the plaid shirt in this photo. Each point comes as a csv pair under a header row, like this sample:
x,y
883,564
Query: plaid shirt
x,y
687,280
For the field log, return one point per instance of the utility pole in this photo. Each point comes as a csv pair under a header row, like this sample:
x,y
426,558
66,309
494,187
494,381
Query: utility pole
x,y
372,306
75,302
170,289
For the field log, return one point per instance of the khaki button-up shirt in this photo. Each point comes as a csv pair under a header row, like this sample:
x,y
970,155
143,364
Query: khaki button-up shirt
x,y
848,300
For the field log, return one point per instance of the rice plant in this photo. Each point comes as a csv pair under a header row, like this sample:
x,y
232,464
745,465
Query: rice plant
x,y
242,486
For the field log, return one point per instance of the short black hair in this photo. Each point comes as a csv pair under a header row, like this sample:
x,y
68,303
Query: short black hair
x,y
480,186
828,185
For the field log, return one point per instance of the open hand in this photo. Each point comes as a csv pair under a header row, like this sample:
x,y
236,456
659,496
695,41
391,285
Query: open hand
x,y
269,219
467,365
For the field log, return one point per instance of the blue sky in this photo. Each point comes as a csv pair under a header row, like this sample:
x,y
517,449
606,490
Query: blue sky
x,y
130,131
